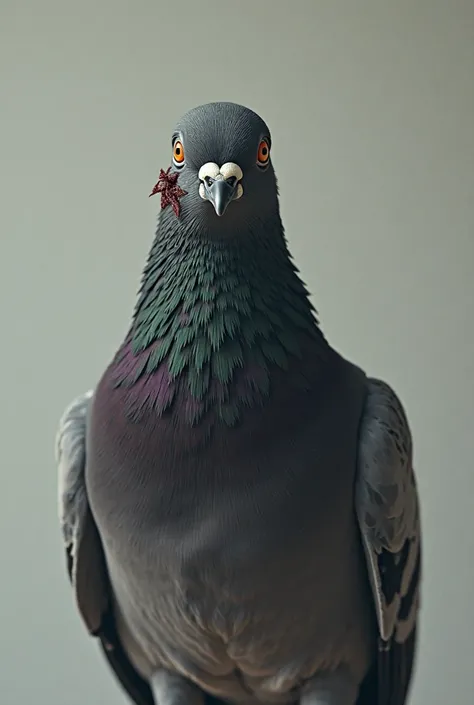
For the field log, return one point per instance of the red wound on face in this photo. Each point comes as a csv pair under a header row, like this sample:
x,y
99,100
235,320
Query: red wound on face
x,y
169,189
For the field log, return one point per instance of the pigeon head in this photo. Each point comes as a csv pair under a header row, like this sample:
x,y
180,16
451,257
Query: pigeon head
x,y
221,169
221,309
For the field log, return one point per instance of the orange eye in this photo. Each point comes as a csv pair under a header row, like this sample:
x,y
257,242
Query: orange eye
x,y
263,154
178,153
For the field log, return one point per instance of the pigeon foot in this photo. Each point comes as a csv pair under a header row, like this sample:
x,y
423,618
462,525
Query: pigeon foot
x,y
334,688
172,689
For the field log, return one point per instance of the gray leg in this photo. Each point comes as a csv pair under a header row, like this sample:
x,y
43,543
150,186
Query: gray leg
x,y
333,688
172,689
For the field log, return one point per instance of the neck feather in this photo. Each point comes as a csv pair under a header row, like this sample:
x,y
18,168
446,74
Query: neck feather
x,y
213,319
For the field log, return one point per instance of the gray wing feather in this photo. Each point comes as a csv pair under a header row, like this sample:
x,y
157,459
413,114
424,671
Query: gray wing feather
x,y
85,557
70,458
387,508
86,562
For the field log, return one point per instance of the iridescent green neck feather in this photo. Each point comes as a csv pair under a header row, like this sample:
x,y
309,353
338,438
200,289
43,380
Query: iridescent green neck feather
x,y
212,320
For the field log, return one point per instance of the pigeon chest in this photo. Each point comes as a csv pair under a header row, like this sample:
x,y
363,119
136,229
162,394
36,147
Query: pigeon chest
x,y
215,550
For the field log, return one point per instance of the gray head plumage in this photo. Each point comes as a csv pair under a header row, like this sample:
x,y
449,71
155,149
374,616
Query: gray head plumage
x,y
221,156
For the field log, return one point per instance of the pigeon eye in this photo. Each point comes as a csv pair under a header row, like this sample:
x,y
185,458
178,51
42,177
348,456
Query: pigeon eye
x,y
178,153
263,154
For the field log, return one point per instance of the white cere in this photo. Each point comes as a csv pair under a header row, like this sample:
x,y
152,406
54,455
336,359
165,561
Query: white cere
x,y
231,169
226,171
209,169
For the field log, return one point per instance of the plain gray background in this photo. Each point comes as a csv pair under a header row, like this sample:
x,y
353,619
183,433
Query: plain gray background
x,y
371,106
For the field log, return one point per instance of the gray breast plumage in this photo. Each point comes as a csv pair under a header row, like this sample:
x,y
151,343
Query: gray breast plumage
x,y
214,552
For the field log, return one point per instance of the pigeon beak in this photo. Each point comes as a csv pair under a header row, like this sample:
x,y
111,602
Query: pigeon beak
x,y
220,193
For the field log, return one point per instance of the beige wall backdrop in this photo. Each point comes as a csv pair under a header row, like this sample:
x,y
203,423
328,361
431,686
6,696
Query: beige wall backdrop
x,y
371,105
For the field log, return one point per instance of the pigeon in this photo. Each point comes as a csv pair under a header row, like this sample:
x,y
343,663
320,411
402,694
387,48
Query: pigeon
x,y
237,500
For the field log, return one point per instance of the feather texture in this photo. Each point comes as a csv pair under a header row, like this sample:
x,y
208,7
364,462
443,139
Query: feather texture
x,y
388,511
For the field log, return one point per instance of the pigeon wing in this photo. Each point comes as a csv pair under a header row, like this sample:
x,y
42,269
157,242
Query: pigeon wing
x,y
387,509
84,553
